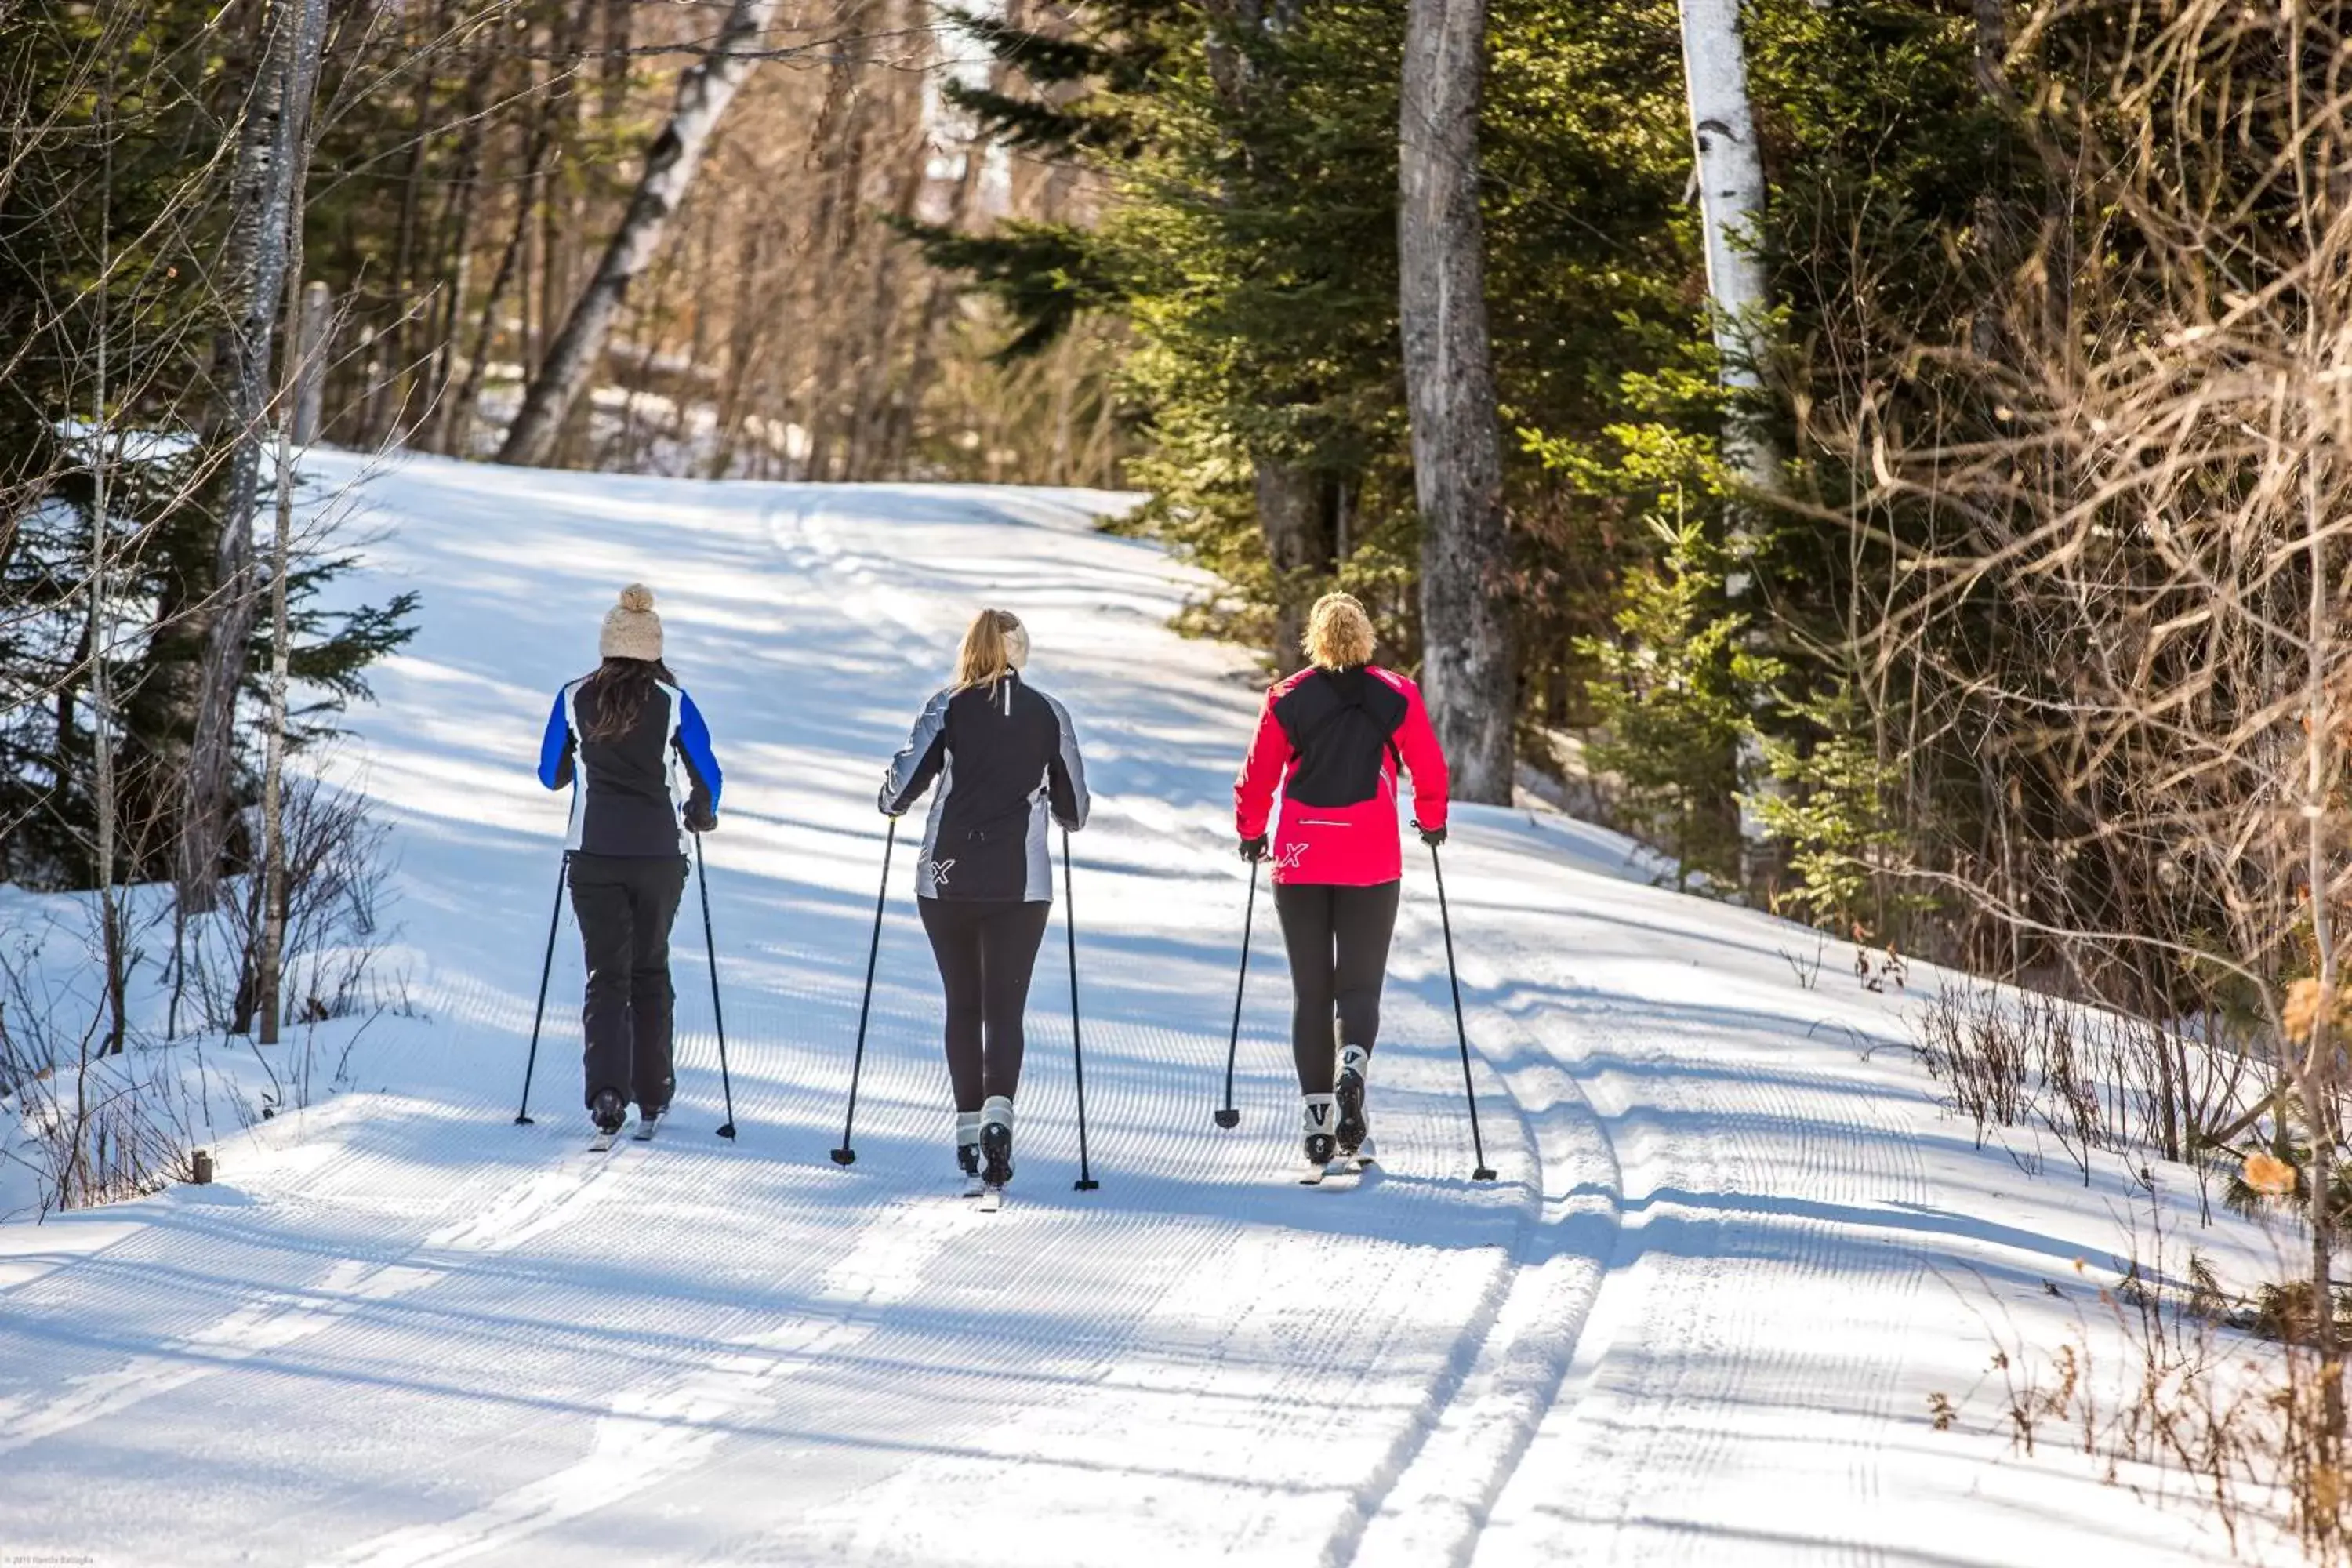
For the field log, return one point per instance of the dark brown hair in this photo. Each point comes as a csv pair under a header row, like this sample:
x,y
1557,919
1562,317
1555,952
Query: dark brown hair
x,y
622,686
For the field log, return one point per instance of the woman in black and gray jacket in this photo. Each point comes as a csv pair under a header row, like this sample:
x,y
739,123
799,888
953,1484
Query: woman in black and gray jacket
x,y
1006,758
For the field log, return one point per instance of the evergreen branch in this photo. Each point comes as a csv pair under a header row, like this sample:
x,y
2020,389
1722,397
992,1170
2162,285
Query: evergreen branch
x,y
1045,274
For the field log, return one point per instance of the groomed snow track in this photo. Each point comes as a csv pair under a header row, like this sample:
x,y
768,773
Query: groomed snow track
x,y
1694,1322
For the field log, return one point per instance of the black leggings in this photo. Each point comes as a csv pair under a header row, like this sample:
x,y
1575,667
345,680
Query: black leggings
x,y
1338,942
986,948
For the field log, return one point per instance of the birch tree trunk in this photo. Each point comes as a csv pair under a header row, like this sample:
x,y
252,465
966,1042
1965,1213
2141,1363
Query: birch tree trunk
x,y
98,637
704,91
274,129
1731,200
1467,671
298,364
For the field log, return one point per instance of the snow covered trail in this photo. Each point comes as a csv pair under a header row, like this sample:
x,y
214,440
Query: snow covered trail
x,y
1697,1318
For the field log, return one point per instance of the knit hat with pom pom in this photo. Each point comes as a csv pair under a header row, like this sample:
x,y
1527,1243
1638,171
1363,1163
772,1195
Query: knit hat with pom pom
x,y
632,630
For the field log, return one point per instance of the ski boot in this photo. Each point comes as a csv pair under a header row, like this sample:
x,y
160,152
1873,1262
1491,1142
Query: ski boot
x,y
1316,1117
968,1151
1355,1063
996,1141
609,1111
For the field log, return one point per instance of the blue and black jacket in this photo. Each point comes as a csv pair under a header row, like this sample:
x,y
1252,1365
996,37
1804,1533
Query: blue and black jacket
x,y
631,799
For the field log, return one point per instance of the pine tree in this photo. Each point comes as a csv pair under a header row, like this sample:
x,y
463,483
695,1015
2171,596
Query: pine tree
x,y
1676,694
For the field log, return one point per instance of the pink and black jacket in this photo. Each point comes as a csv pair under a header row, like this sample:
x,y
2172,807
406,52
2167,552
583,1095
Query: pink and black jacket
x,y
1335,742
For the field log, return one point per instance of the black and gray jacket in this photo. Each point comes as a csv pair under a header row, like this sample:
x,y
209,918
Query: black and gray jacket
x,y
1005,757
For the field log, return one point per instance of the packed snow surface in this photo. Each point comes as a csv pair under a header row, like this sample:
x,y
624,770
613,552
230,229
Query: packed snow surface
x,y
1732,1251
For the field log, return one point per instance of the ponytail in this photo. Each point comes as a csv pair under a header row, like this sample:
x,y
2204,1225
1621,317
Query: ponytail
x,y
993,646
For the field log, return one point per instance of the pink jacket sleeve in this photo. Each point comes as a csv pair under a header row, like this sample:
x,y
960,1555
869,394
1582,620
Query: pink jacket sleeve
x,y
1423,758
1253,787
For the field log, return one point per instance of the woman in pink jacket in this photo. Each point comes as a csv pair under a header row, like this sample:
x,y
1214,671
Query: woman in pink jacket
x,y
1334,738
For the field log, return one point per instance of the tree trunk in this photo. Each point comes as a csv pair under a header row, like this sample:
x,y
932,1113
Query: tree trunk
x,y
467,405
1467,669
404,329
458,222
315,317
276,130
1731,199
295,367
2321,780
704,92
614,68
1290,513
1288,494
98,627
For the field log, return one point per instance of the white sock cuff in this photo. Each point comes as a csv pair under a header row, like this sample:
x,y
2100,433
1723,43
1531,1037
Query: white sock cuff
x,y
999,1111
967,1127
1355,1057
1316,1110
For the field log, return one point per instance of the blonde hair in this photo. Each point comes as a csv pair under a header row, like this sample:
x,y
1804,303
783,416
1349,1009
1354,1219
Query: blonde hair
x,y
1338,633
993,645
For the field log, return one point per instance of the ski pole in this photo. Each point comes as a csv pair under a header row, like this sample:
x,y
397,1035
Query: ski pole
x,y
546,967
1482,1172
1086,1181
1227,1116
846,1155
717,1019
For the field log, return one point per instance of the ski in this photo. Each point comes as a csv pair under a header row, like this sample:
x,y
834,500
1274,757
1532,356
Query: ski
x,y
601,1142
974,1186
1340,1166
646,1127
990,1199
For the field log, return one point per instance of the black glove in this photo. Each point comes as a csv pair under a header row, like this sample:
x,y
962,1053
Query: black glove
x,y
1433,837
701,820
1255,849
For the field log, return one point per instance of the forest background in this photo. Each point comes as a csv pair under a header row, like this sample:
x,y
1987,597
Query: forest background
x,y
1801,433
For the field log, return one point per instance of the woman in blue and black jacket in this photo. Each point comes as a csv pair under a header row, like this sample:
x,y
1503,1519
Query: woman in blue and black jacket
x,y
634,748
1006,759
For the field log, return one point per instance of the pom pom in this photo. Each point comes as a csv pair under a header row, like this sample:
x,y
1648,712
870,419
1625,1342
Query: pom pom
x,y
637,596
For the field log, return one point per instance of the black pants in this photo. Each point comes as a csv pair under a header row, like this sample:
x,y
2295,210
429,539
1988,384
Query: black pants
x,y
1338,942
986,949
625,904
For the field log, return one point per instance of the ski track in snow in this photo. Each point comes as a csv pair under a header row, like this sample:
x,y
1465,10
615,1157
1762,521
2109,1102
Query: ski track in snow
x,y
1680,1329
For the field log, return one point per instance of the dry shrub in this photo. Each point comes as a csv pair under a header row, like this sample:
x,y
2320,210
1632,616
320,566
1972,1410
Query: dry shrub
x,y
2093,1079
2210,1401
335,875
95,1127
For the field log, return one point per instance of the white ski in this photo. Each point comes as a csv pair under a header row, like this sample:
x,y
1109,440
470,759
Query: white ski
x,y
990,1199
602,1141
974,1186
647,1126
1340,1166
